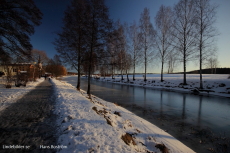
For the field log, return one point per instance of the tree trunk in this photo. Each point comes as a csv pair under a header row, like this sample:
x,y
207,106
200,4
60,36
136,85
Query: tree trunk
x,y
162,67
90,64
134,70
78,80
113,73
134,74
201,47
184,49
145,66
201,81
79,71
127,75
185,83
168,67
89,73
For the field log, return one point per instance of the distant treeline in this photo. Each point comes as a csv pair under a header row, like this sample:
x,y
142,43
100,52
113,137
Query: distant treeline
x,y
212,71
72,73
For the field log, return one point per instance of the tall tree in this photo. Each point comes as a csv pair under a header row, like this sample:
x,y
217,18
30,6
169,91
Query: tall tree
x,y
17,22
71,41
127,64
147,36
128,58
134,39
205,19
163,22
110,47
120,43
97,31
184,31
115,46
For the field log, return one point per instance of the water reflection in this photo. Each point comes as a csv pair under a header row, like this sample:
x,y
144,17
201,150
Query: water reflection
x,y
199,110
144,111
161,103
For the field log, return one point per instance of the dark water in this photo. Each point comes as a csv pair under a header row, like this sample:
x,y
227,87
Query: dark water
x,y
193,119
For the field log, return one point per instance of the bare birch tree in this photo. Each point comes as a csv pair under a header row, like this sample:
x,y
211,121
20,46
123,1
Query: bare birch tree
x,y
163,21
127,64
110,47
184,31
120,43
134,37
147,34
107,62
205,19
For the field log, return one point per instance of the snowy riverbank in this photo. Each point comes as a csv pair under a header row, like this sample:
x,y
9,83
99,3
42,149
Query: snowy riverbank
x,y
100,126
214,84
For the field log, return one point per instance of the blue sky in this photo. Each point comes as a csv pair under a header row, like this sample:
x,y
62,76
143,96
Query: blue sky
x,y
126,11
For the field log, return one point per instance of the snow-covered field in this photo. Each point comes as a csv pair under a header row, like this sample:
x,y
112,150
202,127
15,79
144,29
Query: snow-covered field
x,y
99,126
11,95
214,84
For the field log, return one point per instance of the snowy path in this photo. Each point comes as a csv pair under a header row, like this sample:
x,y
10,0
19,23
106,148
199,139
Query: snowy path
x,y
29,122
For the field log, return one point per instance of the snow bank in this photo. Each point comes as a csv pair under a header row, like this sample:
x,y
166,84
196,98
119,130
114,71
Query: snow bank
x,y
213,84
9,96
99,126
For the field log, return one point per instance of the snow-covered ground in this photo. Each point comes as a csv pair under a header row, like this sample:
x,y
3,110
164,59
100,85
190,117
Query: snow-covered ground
x,y
11,95
214,84
99,126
